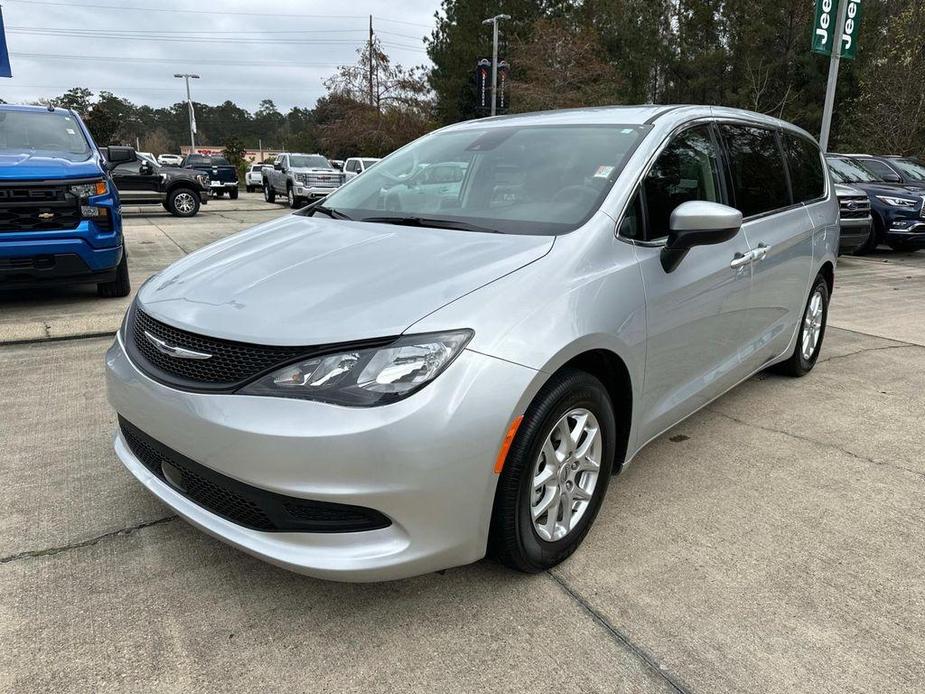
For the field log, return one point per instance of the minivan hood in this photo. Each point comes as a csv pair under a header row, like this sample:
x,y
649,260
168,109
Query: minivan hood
x,y
890,188
312,281
32,167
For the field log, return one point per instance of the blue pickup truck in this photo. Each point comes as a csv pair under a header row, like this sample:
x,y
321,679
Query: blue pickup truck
x,y
60,221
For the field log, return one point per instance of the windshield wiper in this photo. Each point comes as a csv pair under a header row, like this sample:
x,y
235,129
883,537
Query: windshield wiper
x,y
430,222
330,212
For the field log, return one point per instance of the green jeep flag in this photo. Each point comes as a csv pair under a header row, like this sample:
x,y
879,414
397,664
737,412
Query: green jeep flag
x,y
824,31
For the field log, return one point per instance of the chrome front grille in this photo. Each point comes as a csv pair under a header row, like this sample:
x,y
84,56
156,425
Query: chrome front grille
x,y
854,207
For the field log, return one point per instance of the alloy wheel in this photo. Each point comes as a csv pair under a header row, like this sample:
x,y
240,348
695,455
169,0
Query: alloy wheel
x,y
812,325
184,203
565,474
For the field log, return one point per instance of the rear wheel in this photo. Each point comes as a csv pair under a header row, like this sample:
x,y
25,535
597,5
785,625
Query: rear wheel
x,y
183,202
250,189
811,334
555,475
269,195
233,193
120,286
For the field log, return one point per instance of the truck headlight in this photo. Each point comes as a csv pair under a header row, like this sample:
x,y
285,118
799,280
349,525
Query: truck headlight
x,y
366,377
906,203
86,190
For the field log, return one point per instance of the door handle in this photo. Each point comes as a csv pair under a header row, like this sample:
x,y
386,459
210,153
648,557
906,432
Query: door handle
x,y
740,260
761,251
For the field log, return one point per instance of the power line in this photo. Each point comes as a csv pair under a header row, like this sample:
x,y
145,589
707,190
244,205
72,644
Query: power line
x,y
209,12
173,89
171,61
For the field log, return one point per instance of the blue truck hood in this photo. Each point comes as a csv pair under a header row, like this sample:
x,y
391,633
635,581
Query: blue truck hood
x,y
45,166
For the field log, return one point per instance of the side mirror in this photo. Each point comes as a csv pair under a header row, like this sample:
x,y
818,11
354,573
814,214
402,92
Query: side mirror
x,y
116,154
278,166
892,178
146,169
698,223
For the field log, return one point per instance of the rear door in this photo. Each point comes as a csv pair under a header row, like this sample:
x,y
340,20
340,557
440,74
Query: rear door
x,y
780,232
694,314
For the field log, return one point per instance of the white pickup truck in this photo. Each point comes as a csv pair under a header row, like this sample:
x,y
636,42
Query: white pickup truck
x,y
301,178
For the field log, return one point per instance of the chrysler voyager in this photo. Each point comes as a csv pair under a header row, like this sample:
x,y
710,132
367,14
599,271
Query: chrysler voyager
x,y
404,378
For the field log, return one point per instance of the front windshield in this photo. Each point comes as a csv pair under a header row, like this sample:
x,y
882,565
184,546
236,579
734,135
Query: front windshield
x,y
910,169
53,132
307,161
850,171
518,179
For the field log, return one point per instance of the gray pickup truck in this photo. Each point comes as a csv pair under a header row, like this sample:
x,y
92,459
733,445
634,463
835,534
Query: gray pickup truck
x,y
301,178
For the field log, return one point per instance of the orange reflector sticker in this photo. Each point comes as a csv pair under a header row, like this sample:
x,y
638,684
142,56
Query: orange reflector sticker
x,y
506,444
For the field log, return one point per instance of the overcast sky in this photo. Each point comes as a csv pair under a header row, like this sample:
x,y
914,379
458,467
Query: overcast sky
x,y
134,53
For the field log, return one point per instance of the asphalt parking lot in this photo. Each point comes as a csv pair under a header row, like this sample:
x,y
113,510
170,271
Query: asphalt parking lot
x,y
773,542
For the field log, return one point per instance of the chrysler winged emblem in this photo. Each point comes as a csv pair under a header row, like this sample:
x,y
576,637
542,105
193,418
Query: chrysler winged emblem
x,y
173,350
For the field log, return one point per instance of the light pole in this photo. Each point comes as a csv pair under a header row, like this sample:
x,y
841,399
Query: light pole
x,y
832,83
189,103
494,58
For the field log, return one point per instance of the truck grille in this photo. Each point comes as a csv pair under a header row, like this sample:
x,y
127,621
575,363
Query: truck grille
x,y
856,207
231,364
37,208
324,180
241,503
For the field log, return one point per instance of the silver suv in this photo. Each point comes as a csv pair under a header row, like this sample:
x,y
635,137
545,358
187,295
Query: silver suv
x,y
403,378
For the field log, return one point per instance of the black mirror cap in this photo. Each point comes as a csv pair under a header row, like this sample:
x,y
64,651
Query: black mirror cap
x,y
892,178
680,242
117,154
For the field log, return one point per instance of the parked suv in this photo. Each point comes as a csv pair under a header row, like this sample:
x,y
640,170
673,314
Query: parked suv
x,y
896,208
223,177
363,393
253,178
169,159
60,220
855,220
354,166
301,178
142,182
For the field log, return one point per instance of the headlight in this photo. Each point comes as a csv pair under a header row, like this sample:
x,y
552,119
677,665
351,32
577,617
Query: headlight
x,y
86,190
898,202
366,377
301,178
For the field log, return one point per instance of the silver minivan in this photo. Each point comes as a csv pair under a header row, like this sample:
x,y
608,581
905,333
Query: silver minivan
x,y
394,380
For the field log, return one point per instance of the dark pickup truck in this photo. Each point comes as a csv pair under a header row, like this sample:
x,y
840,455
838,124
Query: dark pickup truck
x,y
223,178
143,182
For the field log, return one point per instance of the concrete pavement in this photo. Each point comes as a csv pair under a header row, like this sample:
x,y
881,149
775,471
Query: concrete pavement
x,y
773,542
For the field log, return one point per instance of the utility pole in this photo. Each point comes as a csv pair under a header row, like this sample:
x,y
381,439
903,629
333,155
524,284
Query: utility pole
x,y
371,60
837,34
189,103
494,58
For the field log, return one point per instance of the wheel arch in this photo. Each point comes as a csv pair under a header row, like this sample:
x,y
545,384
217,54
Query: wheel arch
x,y
828,273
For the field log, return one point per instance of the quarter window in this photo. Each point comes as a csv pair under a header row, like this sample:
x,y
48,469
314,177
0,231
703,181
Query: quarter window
x,y
685,170
884,171
758,179
807,177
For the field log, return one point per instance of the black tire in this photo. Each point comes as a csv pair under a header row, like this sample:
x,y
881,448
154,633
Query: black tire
x,y
250,189
219,193
121,286
513,540
269,195
233,193
183,202
798,365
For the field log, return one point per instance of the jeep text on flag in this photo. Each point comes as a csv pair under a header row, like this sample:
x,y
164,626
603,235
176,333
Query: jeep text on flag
x,y
824,28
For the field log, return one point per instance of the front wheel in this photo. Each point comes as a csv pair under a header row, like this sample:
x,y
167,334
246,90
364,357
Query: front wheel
x,y
183,202
120,286
269,195
555,475
294,202
811,332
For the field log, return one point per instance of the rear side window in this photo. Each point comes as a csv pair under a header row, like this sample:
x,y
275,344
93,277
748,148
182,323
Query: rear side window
x,y
758,180
686,170
807,177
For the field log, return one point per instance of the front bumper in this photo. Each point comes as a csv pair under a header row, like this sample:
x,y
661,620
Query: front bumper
x,y
911,234
303,191
854,232
425,462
